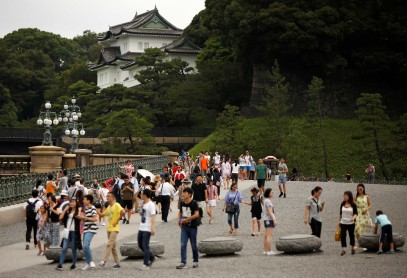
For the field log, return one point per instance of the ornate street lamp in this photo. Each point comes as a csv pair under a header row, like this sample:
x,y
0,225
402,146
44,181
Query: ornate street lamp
x,y
70,116
46,119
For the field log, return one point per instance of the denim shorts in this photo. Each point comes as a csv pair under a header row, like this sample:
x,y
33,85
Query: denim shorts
x,y
268,224
282,179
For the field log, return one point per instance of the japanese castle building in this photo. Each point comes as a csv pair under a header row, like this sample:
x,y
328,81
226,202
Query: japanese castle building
x,y
123,42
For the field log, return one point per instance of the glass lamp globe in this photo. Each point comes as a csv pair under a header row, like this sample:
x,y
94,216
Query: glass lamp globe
x,y
73,100
70,119
66,106
74,132
79,114
75,117
40,121
59,119
67,132
55,121
82,132
48,105
65,119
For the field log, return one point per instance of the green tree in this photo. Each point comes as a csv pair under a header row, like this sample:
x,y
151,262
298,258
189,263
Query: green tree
x,y
8,110
127,132
376,127
274,102
316,115
227,128
214,52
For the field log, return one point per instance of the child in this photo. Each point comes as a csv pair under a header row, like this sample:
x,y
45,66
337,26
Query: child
x,y
256,201
386,230
42,222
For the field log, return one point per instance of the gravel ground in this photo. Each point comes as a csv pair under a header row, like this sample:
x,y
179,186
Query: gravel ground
x,y
250,262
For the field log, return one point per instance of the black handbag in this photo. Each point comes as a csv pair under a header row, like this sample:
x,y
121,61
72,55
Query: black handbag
x,y
230,206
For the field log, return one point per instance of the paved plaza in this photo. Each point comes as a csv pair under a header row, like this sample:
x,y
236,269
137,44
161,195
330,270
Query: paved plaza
x,y
17,262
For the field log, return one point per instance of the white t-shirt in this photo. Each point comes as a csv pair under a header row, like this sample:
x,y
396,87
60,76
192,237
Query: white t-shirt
x,y
247,159
166,189
267,204
70,226
134,181
235,168
147,212
282,167
216,159
104,194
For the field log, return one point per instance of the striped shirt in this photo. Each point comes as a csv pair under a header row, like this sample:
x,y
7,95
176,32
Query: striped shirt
x,y
90,227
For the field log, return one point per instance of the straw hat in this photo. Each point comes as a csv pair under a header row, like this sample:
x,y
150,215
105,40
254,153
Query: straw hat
x,y
186,181
157,178
64,193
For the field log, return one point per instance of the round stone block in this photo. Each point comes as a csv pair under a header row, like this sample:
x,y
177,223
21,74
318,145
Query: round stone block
x,y
53,253
298,243
131,249
371,242
220,246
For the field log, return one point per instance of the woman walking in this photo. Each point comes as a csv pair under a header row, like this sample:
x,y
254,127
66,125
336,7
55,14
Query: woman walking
x,y
42,227
235,172
212,199
68,217
363,203
52,235
232,200
226,170
347,215
313,207
269,222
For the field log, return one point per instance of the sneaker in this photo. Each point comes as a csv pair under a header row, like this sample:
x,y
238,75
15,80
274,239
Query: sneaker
x,y
86,267
144,267
27,246
103,224
116,266
124,220
281,194
73,267
271,253
59,267
379,252
102,263
285,195
92,265
390,252
182,266
127,222
195,265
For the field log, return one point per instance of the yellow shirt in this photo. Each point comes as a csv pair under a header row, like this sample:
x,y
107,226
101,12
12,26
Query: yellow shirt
x,y
113,212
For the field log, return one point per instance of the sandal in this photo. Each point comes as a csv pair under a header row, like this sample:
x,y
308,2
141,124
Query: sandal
x,y
39,253
234,232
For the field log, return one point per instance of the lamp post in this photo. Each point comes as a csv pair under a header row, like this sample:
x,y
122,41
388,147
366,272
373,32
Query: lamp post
x,y
70,116
46,119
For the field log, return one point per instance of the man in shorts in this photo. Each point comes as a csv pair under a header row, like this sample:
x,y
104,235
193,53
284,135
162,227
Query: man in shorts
x,y
248,164
282,177
127,190
260,175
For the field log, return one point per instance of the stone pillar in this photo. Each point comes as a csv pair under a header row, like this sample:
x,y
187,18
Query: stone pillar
x,y
69,161
45,159
82,157
173,156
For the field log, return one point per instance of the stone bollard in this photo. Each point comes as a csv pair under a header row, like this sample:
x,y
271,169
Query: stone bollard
x,y
371,242
298,243
131,249
220,246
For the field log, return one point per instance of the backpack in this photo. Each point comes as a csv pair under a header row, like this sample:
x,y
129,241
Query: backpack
x,y
30,212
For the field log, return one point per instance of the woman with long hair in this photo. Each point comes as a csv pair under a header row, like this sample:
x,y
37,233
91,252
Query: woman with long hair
x,y
52,237
212,199
236,197
226,170
363,203
70,222
347,216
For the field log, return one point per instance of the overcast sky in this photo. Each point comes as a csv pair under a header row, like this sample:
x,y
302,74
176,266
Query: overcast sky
x,y
69,18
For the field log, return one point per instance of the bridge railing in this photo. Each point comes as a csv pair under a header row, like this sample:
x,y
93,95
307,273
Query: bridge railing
x,y
10,164
17,189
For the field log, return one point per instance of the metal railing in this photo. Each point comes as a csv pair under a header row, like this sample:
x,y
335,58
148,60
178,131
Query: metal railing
x,y
17,189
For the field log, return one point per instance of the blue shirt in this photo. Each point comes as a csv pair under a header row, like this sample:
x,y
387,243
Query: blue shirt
x,y
235,197
382,220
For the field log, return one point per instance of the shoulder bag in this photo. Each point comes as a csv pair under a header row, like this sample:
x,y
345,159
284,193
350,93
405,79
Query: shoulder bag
x,y
230,206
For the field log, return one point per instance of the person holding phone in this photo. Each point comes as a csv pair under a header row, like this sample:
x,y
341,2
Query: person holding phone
x,y
313,207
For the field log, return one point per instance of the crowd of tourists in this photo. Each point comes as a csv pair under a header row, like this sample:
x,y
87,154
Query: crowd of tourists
x,y
72,219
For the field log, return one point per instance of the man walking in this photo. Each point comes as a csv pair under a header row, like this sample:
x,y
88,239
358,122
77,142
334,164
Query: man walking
x,y
166,191
31,207
114,212
282,177
147,228
127,191
261,174
188,221
200,194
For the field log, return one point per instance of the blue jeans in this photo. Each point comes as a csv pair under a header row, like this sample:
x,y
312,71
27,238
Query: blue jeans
x,y
87,238
143,240
65,245
235,216
191,234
